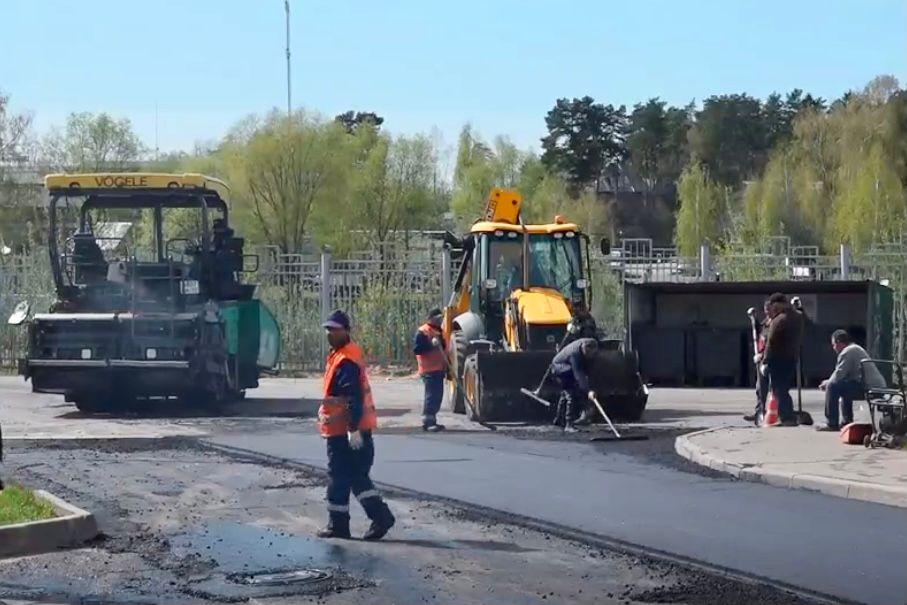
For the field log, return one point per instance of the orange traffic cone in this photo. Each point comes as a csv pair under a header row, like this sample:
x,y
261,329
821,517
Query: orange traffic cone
x,y
771,412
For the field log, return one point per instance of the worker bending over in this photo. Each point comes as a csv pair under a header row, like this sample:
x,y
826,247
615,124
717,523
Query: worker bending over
x,y
346,420
428,346
570,368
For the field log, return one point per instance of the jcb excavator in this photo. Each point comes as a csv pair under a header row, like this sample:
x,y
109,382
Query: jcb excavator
x,y
516,292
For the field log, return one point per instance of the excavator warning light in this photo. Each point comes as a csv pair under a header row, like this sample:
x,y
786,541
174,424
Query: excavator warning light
x,y
559,219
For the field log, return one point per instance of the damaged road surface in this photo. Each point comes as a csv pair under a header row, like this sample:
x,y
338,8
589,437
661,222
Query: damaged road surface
x,y
186,524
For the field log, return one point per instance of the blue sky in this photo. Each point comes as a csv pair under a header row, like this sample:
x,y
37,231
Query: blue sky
x,y
426,65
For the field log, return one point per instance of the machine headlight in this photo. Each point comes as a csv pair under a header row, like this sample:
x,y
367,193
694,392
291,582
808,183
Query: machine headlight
x,y
86,353
582,284
150,353
189,286
490,284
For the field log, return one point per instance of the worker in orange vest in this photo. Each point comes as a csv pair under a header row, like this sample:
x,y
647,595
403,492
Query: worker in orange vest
x,y
346,420
428,346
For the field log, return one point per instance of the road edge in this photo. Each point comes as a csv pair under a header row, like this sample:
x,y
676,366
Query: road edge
x,y
842,488
562,531
72,527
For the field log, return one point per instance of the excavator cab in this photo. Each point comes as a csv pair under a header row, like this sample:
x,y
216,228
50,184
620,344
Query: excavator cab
x,y
518,290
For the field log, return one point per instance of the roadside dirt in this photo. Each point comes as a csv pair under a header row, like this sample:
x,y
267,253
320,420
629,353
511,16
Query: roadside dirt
x,y
185,525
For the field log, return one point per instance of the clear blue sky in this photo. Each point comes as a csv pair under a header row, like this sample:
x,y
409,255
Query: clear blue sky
x,y
499,64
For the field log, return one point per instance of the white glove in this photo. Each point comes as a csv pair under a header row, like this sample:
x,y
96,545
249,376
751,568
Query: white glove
x,y
355,438
763,369
757,358
591,395
436,342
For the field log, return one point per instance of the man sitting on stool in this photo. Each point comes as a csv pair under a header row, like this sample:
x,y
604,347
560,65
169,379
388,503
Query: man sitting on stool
x,y
846,383
569,368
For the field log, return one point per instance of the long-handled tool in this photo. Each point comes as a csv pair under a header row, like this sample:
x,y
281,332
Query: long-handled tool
x,y
751,313
802,417
601,410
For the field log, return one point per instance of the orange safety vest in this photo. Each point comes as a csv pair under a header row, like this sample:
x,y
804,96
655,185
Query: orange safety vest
x,y
434,360
334,412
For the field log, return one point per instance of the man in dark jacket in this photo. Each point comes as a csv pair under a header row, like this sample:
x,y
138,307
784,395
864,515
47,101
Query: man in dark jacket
x,y
569,368
761,379
779,361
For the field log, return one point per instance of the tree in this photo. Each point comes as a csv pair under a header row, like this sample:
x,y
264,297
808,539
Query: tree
x,y
351,120
729,137
584,138
289,167
647,140
394,189
480,168
14,134
94,143
21,215
657,142
702,210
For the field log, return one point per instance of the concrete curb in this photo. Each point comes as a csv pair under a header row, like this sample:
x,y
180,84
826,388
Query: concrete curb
x,y
842,488
72,527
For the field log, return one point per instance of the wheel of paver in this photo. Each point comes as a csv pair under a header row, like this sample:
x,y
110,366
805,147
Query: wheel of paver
x,y
456,403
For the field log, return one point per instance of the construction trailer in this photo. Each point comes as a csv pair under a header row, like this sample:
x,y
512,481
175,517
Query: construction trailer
x,y
698,334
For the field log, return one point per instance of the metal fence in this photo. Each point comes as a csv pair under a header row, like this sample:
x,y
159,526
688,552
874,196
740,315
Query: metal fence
x,y
387,292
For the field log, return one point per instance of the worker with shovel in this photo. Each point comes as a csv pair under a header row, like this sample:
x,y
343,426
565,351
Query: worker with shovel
x,y
428,346
569,368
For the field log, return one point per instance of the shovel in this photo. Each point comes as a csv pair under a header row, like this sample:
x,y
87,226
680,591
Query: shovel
x,y
617,435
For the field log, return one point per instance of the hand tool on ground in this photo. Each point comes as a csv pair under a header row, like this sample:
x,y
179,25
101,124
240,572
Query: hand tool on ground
x,y
619,437
802,417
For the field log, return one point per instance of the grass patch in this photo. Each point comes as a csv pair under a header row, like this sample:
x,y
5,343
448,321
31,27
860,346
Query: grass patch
x,y
18,505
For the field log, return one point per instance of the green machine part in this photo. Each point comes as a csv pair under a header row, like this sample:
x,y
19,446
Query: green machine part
x,y
253,339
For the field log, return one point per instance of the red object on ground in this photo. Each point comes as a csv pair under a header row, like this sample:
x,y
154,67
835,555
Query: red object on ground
x,y
771,411
855,432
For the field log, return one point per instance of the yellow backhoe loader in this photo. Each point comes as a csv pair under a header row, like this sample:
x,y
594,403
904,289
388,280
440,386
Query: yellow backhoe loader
x,y
516,292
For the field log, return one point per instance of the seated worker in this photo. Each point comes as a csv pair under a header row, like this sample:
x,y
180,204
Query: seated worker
x,y
846,383
569,367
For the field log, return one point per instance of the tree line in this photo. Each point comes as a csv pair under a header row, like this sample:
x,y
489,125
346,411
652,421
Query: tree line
x,y
734,168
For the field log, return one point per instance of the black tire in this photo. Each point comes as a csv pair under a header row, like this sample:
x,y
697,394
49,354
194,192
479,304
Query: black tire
x,y
456,402
92,404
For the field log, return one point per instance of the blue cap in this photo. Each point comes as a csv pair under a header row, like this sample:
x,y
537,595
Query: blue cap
x,y
337,320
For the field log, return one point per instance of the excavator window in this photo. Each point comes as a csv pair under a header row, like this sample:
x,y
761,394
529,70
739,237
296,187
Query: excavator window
x,y
554,262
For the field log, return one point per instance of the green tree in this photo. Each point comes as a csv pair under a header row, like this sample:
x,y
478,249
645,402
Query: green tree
x,y
480,168
647,139
702,210
94,143
729,138
352,119
584,138
284,169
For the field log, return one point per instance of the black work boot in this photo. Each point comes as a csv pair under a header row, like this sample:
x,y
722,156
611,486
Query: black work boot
x,y
338,527
382,518
560,412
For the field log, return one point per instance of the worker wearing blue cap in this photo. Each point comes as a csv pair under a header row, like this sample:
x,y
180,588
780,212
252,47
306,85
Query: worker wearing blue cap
x,y
346,419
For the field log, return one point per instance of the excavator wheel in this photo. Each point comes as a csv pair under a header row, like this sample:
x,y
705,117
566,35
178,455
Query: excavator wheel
x,y
455,401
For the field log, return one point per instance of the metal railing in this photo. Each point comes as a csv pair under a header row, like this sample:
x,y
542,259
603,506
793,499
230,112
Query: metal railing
x,y
387,294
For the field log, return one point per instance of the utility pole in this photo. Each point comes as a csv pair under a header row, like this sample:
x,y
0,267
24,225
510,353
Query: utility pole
x,y
286,6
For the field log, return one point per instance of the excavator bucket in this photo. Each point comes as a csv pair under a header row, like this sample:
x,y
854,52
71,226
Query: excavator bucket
x,y
499,377
615,378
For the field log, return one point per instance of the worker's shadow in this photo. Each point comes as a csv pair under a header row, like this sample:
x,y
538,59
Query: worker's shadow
x,y
487,545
